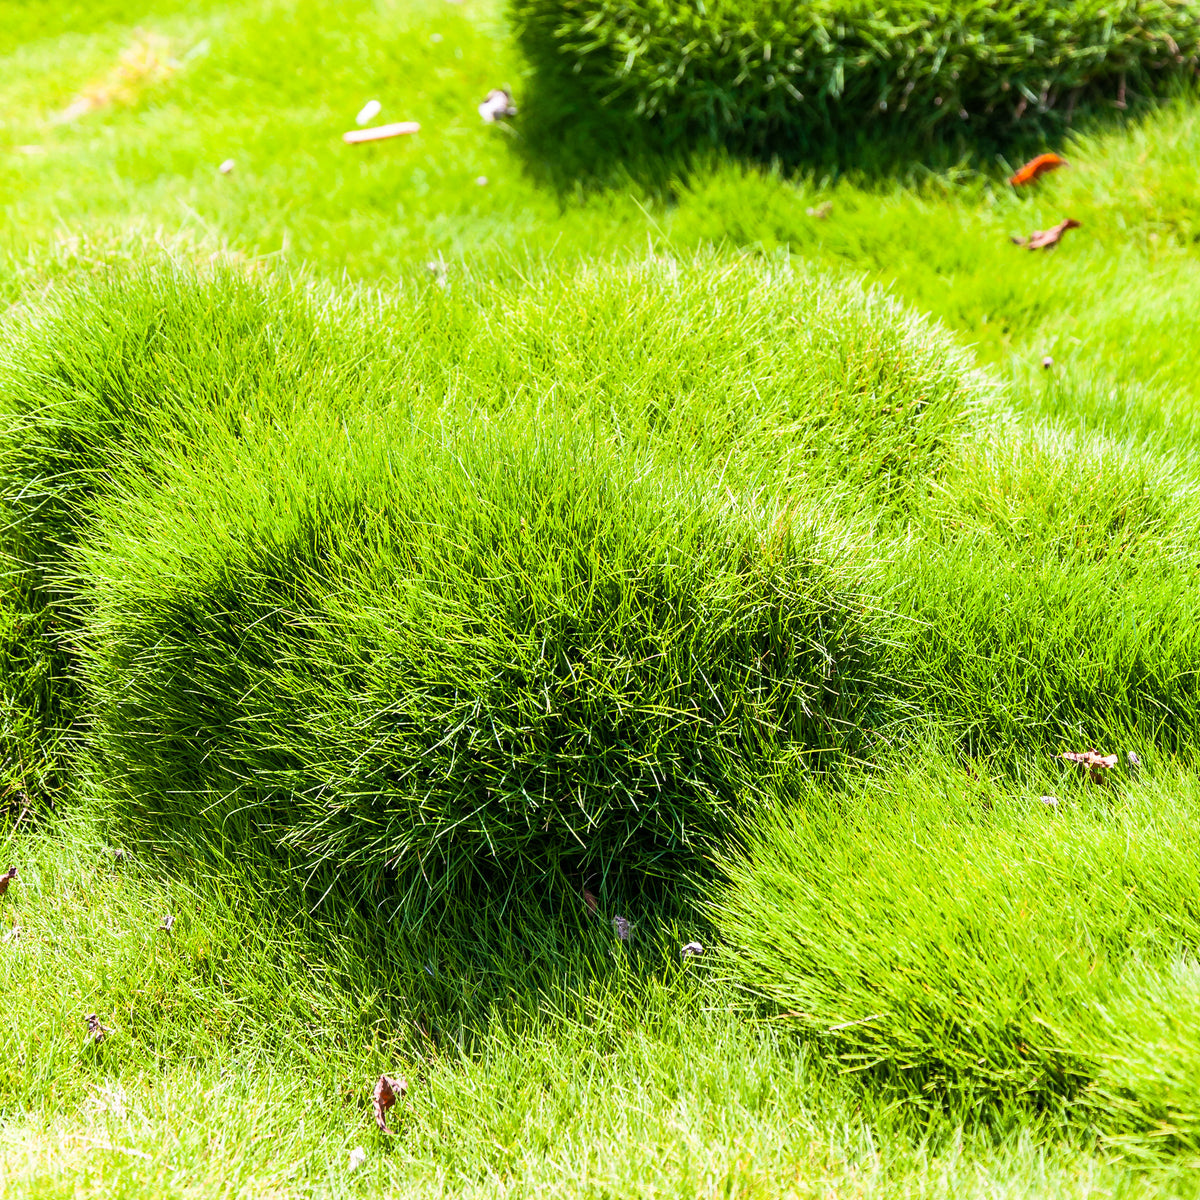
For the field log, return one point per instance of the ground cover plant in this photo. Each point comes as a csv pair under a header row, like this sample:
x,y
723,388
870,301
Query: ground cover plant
x,y
342,468
1054,965
801,81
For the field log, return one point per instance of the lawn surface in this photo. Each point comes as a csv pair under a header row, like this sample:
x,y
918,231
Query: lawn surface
x,y
841,515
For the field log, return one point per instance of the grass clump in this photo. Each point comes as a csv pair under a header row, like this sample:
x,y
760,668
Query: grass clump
x,y
412,661
789,80
997,943
100,376
103,371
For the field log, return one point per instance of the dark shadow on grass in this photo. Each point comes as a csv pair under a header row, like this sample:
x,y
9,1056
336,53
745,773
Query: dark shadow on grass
x,y
575,144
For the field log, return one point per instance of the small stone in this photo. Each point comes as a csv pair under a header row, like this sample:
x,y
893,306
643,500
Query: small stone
x,y
498,105
226,166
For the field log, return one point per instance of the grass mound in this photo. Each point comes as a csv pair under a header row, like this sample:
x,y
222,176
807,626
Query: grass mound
x,y
793,80
100,376
771,378
102,372
436,658
950,938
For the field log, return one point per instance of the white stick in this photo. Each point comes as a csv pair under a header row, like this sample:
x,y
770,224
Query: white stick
x,y
399,129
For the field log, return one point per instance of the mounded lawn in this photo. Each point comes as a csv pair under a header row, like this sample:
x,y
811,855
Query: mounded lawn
x,y
439,588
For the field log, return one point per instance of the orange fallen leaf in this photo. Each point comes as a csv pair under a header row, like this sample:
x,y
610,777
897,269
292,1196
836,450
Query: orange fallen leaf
x,y
1035,168
1092,761
6,879
589,898
387,1092
1043,239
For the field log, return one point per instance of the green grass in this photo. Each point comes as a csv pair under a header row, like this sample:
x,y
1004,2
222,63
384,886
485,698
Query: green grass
x,y
829,80
317,470
950,941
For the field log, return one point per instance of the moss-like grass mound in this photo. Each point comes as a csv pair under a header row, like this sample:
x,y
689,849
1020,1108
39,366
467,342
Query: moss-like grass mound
x,y
800,80
497,655
500,597
1029,949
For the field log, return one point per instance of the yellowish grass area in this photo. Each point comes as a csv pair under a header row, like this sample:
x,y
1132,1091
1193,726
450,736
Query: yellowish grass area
x,y
146,61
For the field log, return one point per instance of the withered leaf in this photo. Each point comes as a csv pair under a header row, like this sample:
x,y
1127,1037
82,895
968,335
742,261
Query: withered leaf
x,y
167,922
1092,761
387,1092
1132,759
692,950
821,211
6,879
1043,239
95,1031
590,899
622,926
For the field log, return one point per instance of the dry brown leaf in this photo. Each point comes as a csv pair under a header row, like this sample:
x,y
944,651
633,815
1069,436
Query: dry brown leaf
x,y
6,879
95,1031
591,900
1043,239
1092,761
387,1092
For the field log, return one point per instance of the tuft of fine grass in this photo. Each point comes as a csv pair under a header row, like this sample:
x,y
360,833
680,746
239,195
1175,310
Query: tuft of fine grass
x,y
803,82
945,937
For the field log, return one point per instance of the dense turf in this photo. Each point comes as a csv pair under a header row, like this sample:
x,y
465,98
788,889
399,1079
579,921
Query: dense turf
x,y
804,81
605,556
